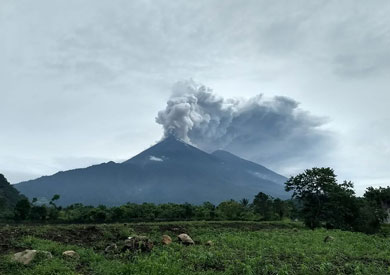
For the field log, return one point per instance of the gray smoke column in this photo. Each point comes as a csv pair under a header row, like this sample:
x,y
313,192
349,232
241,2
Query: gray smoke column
x,y
271,131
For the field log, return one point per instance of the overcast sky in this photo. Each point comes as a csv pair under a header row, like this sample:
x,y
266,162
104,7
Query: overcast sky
x,y
81,82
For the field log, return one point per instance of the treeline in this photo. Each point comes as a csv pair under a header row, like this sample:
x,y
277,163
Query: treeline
x,y
317,199
323,202
263,207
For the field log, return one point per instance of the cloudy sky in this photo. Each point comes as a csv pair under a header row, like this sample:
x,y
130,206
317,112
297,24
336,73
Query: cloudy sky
x,y
82,82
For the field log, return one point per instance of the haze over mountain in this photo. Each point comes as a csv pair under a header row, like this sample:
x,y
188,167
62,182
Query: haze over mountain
x,y
170,171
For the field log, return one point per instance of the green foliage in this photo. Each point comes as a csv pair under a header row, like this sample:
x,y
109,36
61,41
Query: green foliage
x,y
318,199
22,209
239,248
39,213
324,202
9,197
53,199
263,204
230,210
379,200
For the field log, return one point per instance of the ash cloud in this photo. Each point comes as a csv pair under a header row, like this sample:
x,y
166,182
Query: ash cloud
x,y
273,132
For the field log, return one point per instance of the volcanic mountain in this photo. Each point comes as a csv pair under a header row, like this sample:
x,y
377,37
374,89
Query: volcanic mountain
x,y
170,171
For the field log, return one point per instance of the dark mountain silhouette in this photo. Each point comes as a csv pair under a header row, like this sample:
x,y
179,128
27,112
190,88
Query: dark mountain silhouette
x,y
170,171
9,196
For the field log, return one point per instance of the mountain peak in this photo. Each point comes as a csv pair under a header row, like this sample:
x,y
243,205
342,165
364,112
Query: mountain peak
x,y
172,138
169,171
169,148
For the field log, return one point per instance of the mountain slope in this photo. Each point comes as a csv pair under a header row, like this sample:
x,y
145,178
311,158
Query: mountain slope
x,y
9,196
170,171
249,167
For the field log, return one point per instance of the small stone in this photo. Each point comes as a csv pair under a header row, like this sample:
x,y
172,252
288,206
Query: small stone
x,y
209,243
166,239
185,239
71,254
328,239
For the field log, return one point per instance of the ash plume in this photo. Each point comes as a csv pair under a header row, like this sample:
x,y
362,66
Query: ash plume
x,y
275,131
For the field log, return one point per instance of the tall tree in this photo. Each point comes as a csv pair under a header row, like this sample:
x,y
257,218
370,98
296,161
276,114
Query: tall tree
x,y
324,201
22,209
379,200
263,205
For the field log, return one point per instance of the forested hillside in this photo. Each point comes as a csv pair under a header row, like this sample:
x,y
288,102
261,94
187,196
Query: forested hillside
x,y
9,196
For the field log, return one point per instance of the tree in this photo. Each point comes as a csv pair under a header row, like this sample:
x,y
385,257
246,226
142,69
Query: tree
x,y
244,202
53,199
117,213
22,209
379,201
369,218
38,213
324,201
230,210
280,208
53,212
188,210
262,204
206,211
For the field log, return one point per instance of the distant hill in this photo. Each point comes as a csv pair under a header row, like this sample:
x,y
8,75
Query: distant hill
x,y
170,171
9,196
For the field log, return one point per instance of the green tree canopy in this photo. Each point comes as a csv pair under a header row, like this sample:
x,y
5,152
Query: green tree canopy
x,y
324,201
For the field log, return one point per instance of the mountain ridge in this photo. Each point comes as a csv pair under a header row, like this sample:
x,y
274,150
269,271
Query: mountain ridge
x,y
169,171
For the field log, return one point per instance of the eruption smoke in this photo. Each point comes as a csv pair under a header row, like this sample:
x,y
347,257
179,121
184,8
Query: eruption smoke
x,y
270,131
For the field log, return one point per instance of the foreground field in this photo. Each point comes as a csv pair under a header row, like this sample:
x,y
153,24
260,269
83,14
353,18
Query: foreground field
x,y
238,248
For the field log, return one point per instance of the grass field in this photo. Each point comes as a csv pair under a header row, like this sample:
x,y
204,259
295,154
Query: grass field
x,y
239,248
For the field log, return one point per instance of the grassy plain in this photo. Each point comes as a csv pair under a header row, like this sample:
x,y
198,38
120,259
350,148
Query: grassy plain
x,y
239,248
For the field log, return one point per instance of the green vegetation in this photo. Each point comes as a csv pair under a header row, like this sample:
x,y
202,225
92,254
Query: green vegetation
x,y
276,209
239,248
324,202
248,237
9,197
317,199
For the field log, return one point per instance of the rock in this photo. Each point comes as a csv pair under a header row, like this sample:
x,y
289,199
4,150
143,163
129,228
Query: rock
x,y
328,239
70,254
166,239
138,243
111,248
27,256
209,243
185,239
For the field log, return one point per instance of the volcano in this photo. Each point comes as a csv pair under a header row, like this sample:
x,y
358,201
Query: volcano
x,y
170,171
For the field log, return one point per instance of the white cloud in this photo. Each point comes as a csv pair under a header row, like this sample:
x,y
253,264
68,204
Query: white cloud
x,y
91,86
153,158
